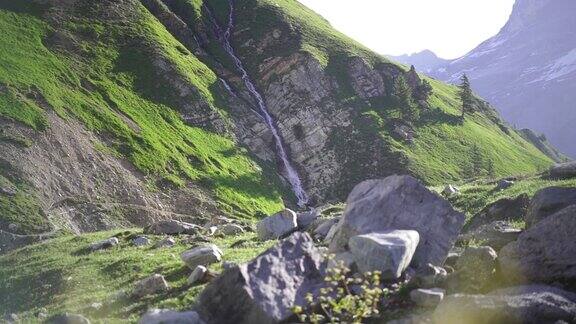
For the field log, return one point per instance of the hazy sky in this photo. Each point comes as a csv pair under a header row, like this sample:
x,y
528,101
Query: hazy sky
x,y
450,28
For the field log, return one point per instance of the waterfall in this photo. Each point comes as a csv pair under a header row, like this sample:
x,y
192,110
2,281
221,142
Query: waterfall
x,y
290,173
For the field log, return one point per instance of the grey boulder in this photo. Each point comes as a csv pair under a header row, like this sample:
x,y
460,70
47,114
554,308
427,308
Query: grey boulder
x,y
563,170
306,219
166,316
229,229
474,269
105,244
277,225
197,275
519,305
549,201
427,297
401,202
171,227
496,235
149,286
140,241
264,289
506,209
202,255
389,252
545,253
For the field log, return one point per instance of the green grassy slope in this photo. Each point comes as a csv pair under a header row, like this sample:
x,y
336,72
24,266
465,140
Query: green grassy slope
x,y
104,76
60,276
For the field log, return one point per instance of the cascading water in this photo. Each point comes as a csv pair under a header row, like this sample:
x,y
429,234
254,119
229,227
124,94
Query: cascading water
x,y
291,174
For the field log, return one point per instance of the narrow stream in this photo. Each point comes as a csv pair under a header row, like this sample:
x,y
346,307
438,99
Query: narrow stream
x,y
290,173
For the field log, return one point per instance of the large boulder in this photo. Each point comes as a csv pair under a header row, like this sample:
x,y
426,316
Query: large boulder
x,y
401,202
152,285
202,255
547,202
167,316
171,227
264,289
506,209
495,235
389,252
277,225
520,305
563,170
474,270
544,253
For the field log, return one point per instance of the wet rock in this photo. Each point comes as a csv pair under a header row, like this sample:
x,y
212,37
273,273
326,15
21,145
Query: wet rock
x,y
527,304
197,275
154,284
549,201
141,241
401,202
171,227
166,316
563,170
544,253
278,225
495,235
389,252
202,255
105,244
507,209
267,286
427,297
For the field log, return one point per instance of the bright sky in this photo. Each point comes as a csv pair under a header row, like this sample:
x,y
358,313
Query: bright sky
x,y
450,28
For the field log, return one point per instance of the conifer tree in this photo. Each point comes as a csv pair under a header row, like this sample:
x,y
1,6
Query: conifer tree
x,y
403,94
466,95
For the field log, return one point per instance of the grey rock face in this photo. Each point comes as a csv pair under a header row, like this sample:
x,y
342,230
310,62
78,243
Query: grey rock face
x,y
475,268
401,202
389,252
267,286
549,201
275,226
105,244
202,255
166,316
366,81
149,286
527,304
427,297
171,227
544,253
495,235
563,170
507,209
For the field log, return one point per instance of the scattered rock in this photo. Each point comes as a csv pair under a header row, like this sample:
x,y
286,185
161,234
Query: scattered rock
x,y
529,304
141,241
166,316
197,275
165,243
267,286
544,253
152,285
13,227
496,235
278,225
401,202
547,202
10,192
429,276
218,221
427,297
564,170
68,319
202,255
388,252
306,219
507,209
230,229
475,269
171,227
105,244
504,184
321,232
450,191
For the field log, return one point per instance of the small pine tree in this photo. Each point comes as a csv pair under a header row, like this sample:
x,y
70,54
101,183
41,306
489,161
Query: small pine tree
x,y
424,90
477,160
403,94
466,95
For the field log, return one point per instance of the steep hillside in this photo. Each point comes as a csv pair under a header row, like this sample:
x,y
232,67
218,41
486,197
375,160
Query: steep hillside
x,y
528,69
115,113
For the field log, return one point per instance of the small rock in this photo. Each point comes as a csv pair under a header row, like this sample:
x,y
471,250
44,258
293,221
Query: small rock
x,y
278,225
388,252
450,191
152,285
141,241
166,316
475,268
495,235
322,230
165,243
197,275
306,219
105,244
427,297
506,209
230,229
13,227
276,33
69,319
171,227
452,258
504,184
430,276
7,191
202,255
